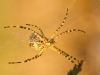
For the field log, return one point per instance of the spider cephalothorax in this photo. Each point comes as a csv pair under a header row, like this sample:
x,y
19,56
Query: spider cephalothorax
x,y
39,42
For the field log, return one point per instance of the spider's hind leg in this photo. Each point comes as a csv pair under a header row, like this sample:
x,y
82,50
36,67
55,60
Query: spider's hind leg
x,y
36,28
35,57
26,28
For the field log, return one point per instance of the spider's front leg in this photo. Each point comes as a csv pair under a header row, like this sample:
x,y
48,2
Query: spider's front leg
x,y
68,31
60,25
76,70
70,58
35,57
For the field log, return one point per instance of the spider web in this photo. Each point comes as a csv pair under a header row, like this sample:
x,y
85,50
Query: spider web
x,y
15,42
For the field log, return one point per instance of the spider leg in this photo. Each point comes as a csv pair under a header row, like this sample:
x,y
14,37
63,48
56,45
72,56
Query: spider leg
x,y
61,24
75,70
70,58
68,32
36,28
38,35
22,27
35,57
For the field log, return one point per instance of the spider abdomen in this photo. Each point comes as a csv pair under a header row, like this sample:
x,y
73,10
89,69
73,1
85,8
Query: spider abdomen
x,y
36,43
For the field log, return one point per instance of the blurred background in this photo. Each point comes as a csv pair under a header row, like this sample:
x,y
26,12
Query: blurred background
x,y
48,15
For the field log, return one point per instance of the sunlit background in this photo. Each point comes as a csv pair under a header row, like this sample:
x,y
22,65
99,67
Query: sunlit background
x,y
48,15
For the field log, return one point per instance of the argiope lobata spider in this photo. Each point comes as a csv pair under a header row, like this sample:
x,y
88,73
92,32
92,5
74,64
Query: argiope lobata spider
x,y
39,42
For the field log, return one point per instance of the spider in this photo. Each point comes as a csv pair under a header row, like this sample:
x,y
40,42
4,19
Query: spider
x,y
40,43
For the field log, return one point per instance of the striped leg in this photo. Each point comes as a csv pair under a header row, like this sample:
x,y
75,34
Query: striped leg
x,y
35,57
68,32
61,24
70,58
75,70
36,28
22,27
